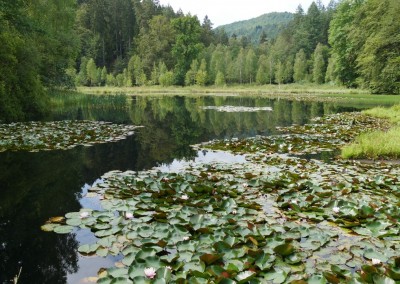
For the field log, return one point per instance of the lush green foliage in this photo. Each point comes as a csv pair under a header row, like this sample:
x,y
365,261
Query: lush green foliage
x,y
174,42
35,51
365,39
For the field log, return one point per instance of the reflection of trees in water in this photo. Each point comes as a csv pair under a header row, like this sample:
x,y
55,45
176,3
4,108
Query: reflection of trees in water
x,y
34,187
172,124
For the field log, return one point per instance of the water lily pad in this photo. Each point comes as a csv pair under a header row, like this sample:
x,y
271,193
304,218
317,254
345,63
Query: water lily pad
x,y
63,229
88,249
49,227
276,277
284,249
373,254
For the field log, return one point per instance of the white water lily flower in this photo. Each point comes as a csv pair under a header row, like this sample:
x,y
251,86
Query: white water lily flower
x,y
336,209
245,185
185,238
375,261
150,272
185,197
294,201
84,214
128,215
169,267
234,212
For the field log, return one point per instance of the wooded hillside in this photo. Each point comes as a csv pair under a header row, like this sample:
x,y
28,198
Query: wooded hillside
x,y
266,26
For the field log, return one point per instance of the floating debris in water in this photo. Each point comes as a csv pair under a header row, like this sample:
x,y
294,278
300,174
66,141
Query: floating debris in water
x,y
237,108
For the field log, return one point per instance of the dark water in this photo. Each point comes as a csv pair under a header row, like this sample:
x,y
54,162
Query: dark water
x,y
36,186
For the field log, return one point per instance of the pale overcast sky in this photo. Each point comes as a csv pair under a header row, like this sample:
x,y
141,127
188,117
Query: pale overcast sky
x,y
223,12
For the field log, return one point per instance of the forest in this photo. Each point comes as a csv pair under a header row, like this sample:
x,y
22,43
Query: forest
x,y
62,44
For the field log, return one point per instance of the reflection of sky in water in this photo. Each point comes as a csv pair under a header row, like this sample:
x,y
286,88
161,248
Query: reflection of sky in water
x,y
205,157
89,265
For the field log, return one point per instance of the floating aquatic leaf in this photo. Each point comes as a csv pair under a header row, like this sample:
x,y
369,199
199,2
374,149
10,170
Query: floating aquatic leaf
x,y
372,254
284,249
49,227
63,229
88,249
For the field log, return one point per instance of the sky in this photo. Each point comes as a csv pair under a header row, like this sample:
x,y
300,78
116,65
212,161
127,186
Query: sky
x,y
222,12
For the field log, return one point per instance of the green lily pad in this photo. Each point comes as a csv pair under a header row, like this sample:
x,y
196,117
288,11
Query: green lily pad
x,y
284,249
63,229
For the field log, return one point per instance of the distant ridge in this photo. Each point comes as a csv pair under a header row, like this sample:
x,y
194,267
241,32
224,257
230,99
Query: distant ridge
x,y
270,23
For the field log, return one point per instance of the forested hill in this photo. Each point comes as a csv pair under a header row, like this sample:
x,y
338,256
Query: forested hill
x,y
269,25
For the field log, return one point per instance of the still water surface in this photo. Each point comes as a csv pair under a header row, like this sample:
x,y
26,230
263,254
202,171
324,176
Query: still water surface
x,y
37,186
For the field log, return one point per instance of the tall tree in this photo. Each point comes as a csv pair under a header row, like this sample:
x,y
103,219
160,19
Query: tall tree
x,y
300,67
190,78
106,29
201,75
207,35
377,27
339,38
155,43
250,66
187,45
263,70
320,63
217,62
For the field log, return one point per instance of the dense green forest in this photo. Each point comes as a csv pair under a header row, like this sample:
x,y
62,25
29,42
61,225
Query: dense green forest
x,y
269,24
61,44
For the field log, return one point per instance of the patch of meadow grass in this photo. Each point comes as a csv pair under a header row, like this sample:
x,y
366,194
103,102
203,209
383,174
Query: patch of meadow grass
x,y
393,113
377,144
373,145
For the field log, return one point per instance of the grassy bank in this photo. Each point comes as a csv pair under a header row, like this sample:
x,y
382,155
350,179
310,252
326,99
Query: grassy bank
x,y
378,144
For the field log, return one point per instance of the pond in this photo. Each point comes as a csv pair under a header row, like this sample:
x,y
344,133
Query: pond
x,y
40,185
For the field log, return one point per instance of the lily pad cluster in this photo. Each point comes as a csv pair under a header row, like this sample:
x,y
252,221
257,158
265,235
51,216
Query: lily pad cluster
x,y
325,134
275,219
237,108
223,224
59,135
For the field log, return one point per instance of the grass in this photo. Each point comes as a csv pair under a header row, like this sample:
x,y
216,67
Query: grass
x,y
377,144
393,113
